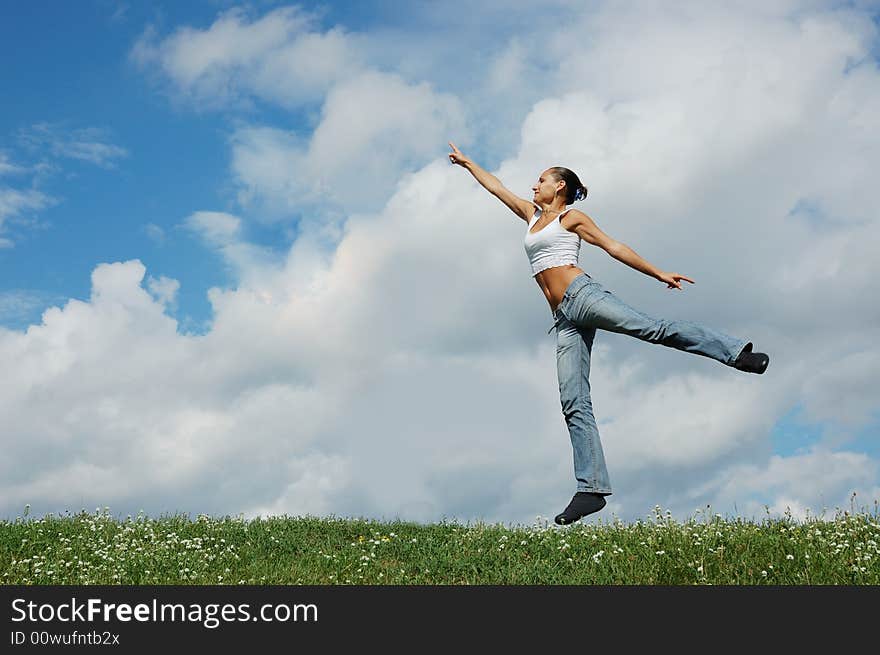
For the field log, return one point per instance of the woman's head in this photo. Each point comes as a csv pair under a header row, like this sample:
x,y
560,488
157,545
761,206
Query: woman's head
x,y
562,181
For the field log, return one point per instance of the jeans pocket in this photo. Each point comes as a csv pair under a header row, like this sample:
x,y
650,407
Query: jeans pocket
x,y
568,300
579,306
560,309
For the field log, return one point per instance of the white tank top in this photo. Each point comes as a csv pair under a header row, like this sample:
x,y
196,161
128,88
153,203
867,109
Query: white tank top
x,y
552,245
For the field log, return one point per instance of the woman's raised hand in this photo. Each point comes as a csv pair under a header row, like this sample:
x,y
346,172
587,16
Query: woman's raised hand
x,y
674,280
456,156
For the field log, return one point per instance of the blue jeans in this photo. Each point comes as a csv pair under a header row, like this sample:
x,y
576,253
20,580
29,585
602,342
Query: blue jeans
x,y
586,307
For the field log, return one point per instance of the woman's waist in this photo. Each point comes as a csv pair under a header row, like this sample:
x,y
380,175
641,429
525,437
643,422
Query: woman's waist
x,y
555,281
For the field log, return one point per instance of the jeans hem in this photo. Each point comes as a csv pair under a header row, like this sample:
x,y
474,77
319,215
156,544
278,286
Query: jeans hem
x,y
739,350
593,490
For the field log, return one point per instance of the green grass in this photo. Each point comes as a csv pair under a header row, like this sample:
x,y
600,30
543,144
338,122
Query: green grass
x,y
99,549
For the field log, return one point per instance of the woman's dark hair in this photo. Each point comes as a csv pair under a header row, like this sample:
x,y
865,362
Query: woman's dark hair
x,y
574,190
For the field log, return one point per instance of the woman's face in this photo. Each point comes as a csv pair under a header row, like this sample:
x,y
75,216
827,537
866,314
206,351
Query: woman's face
x,y
545,188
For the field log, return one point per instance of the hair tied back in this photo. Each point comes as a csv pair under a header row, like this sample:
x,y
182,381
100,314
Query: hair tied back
x,y
581,193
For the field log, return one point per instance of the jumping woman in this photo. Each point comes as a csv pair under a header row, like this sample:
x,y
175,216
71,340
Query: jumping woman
x,y
581,305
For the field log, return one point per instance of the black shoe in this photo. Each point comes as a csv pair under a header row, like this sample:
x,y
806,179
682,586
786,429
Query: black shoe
x,y
751,362
583,503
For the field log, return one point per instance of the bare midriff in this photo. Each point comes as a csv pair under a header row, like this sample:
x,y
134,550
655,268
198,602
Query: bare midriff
x,y
554,281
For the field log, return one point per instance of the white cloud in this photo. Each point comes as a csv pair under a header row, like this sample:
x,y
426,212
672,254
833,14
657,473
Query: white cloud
x,y
155,233
806,483
86,144
17,205
277,57
135,404
264,160
7,167
216,228
856,382
406,369
223,232
15,202
18,305
164,289
373,128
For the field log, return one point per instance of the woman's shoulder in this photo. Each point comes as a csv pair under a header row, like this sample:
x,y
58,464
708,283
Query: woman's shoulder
x,y
573,215
571,218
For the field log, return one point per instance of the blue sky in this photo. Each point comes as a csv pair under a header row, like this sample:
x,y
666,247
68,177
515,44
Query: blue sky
x,y
292,158
79,77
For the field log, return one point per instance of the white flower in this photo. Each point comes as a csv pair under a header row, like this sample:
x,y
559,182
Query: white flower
x,y
789,557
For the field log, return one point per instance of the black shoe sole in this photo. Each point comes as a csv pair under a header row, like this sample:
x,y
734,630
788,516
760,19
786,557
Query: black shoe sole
x,y
752,362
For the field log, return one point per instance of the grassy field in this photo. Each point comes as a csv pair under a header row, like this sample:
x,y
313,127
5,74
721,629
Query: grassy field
x,y
99,549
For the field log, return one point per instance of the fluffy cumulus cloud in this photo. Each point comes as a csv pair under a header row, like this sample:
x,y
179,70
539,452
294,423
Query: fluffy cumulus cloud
x,y
402,367
372,128
280,57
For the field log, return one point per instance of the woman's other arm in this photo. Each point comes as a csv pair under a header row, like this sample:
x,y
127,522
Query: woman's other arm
x,y
525,209
587,229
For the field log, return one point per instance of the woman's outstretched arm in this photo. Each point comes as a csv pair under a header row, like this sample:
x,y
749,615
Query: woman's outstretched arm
x,y
587,229
525,209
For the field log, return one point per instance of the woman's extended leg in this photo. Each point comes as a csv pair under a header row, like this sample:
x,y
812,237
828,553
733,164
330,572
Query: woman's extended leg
x,y
593,306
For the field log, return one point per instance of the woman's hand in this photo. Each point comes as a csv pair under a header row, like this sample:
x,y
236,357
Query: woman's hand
x,y
456,156
672,279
